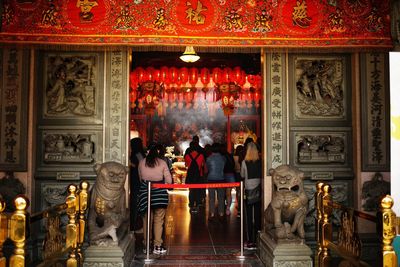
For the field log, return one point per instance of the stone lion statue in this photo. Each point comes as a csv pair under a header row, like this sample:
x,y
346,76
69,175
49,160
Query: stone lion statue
x,y
107,203
284,217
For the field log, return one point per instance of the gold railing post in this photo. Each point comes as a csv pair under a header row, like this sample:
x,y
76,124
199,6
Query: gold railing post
x,y
72,226
388,232
3,231
83,205
326,228
18,223
318,222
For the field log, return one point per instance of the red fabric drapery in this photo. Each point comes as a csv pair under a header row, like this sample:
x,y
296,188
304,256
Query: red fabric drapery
x,y
271,23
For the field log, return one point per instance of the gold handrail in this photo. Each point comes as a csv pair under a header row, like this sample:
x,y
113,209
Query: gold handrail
x,y
15,225
349,245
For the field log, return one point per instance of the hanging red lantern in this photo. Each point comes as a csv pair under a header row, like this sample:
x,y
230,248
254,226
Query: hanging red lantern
x,y
226,75
140,74
205,76
193,76
237,75
157,75
216,75
149,73
164,75
205,80
183,75
173,74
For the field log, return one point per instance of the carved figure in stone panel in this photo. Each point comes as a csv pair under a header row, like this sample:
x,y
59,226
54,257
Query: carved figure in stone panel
x,y
321,149
107,212
68,148
373,191
319,84
70,88
285,215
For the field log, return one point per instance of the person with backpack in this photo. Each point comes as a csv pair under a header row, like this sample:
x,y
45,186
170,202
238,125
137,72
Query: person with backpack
x,y
195,162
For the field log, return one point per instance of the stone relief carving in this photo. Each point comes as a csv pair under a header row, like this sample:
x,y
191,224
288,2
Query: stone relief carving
x,y
285,215
68,148
53,194
107,211
70,85
319,88
320,149
339,194
373,191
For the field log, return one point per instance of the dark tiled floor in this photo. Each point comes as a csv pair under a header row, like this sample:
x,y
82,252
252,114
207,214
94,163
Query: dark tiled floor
x,y
193,240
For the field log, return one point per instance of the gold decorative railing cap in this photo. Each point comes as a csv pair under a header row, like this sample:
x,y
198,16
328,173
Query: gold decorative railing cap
x,y
21,202
387,202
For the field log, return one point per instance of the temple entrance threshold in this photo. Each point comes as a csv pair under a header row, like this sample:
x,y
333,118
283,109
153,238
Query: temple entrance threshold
x,y
194,240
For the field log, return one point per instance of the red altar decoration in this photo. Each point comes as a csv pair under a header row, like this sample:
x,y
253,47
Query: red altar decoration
x,y
252,23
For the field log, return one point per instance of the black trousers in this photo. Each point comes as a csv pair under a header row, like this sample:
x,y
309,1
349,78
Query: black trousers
x,y
253,221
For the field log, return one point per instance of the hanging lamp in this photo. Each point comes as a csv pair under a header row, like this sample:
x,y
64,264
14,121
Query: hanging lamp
x,y
189,55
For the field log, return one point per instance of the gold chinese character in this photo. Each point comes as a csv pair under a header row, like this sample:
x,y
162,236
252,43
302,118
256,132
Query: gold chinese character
x,y
194,14
299,15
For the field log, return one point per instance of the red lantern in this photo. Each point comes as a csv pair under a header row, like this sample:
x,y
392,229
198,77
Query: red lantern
x,y
164,75
237,75
205,76
183,75
226,75
149,73
193,76
140,74
157,75
205,79
173,75
216,75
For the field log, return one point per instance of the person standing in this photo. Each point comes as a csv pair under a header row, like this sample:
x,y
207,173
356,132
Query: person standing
x,y
238,158
194,161
215,174
229,176
155,170
136,155
251,173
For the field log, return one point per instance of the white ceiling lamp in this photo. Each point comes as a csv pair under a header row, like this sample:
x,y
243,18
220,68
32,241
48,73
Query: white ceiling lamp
x,y
189,55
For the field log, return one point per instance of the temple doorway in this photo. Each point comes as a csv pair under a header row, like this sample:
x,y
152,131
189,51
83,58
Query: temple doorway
x,y
217,98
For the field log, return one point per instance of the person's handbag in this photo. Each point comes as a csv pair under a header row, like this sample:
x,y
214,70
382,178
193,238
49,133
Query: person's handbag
x,y
253,195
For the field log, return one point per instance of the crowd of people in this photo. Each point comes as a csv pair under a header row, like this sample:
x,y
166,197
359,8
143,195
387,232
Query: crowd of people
x,y
212,164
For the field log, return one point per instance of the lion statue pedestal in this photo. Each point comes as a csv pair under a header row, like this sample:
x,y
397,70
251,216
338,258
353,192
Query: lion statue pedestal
x,y
281,242
111,243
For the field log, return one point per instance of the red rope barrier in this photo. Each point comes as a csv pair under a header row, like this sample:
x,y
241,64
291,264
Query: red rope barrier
x,y
216,185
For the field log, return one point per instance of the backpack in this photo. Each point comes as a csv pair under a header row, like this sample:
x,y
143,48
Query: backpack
x,y
193,172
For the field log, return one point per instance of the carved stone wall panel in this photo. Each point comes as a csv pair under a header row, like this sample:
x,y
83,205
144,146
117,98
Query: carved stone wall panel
x,y
276,97
72,151
71,85
14,82
375,105
116,117
321,149
340,193
319,90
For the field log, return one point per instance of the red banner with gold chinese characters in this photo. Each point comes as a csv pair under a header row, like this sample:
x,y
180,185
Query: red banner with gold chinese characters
x,y
251,23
